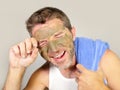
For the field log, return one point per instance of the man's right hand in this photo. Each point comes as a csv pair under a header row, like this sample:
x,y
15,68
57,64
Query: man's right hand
x,y
23,54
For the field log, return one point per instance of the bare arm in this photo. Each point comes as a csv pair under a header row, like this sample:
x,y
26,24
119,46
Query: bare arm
x,y
14,79
110,65
21,56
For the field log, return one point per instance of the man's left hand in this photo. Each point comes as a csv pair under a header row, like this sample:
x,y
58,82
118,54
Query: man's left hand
x,y
90,80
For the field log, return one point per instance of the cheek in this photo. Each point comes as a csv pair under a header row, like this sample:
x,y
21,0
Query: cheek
x,y
67,41
43,53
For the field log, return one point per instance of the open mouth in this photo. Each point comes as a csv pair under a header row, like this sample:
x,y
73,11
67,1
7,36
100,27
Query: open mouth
x,y
59,56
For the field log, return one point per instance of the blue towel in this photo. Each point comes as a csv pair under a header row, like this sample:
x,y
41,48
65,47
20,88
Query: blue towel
x,y
89,52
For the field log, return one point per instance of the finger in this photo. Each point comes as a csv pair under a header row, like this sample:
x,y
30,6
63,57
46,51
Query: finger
x,y
28,45
34,42
81,68
34,53
77,73
15,50
22,49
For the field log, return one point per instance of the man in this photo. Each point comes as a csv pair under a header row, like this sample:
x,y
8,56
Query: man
x,y
71,63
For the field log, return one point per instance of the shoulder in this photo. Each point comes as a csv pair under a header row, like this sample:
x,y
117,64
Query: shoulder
x,y
39,78
109,59
110,65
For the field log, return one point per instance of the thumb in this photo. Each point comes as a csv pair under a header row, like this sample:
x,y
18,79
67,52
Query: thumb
x,y
81,68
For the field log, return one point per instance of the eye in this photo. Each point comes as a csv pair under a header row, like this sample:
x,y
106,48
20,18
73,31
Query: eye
x,y
43,43
60,34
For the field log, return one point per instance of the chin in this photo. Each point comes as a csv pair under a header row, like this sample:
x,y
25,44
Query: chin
x,y
66,65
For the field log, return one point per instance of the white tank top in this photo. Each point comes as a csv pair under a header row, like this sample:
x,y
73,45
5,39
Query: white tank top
x,y
58,82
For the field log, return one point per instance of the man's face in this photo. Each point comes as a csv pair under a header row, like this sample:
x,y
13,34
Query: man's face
x,y
55,43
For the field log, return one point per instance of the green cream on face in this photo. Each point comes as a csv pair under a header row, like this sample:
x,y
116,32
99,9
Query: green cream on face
x,y
54,38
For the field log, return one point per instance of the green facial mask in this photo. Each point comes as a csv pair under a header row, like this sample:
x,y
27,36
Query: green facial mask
x,y
54,38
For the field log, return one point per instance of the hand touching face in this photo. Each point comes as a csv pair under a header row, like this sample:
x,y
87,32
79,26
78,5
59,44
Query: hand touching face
x,y
24,53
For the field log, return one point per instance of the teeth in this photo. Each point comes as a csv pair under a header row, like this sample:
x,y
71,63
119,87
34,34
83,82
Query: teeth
x,y
59,55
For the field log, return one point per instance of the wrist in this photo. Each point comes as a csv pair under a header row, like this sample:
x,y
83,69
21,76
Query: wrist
x,y
16,72
20,70
16,67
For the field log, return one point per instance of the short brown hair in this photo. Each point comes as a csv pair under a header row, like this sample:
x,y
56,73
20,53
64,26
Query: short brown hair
x,y
45,14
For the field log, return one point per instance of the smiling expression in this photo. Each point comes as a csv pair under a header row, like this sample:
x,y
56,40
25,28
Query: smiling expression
x,y
55,43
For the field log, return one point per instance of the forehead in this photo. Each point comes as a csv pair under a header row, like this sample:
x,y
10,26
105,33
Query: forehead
x,y
47,29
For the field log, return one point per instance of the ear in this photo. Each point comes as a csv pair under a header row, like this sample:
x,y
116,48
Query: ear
x,y
73,31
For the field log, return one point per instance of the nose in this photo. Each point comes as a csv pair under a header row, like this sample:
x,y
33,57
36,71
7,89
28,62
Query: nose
x,y
52,47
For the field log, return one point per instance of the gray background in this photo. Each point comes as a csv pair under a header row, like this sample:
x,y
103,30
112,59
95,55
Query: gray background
x,y
97,19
